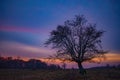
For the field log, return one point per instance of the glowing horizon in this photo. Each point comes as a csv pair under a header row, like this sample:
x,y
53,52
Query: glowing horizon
x,y
110,59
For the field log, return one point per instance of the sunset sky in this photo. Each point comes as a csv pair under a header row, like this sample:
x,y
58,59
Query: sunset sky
x,y
25,24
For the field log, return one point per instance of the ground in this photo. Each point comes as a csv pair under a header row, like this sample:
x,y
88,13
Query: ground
x,y
92,74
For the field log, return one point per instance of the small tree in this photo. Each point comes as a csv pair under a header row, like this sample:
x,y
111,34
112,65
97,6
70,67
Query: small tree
x,y
77,40
64,66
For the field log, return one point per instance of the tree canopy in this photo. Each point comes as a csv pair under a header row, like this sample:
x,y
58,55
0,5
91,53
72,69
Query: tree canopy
x,y
77,40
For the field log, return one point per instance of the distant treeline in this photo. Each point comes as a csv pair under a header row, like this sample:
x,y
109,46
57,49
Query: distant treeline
x,y
10,63
107,67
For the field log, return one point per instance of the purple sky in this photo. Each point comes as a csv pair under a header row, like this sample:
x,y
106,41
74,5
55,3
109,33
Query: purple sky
x,y
25,24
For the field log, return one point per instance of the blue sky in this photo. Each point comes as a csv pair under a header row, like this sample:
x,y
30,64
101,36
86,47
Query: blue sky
x,y
28,23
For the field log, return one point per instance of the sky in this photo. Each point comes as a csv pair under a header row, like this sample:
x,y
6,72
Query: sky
x,y
26,24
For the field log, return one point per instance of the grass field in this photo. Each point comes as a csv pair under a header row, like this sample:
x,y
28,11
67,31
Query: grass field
x,y
92,74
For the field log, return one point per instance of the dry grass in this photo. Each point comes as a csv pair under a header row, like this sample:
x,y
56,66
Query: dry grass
x,y
96,74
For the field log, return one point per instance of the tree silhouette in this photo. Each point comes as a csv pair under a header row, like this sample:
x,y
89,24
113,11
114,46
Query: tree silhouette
x,y
77,40
10,63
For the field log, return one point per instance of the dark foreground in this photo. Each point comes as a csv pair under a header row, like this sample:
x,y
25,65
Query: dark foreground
x,y
92,74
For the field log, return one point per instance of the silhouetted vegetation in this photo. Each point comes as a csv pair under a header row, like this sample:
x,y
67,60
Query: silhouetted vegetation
x,y
106,67
78,41
10,63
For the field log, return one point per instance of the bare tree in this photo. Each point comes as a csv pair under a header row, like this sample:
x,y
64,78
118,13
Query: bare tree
x,y
77,40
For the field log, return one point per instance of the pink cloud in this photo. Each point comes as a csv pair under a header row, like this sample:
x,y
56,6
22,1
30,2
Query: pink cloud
x,y
24,29
22,50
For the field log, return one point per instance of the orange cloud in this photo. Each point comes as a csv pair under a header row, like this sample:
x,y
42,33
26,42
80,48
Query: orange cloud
x,y
109,57
112,57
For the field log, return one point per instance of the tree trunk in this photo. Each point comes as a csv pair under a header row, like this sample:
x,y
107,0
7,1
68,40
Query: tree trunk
x,y
81,69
